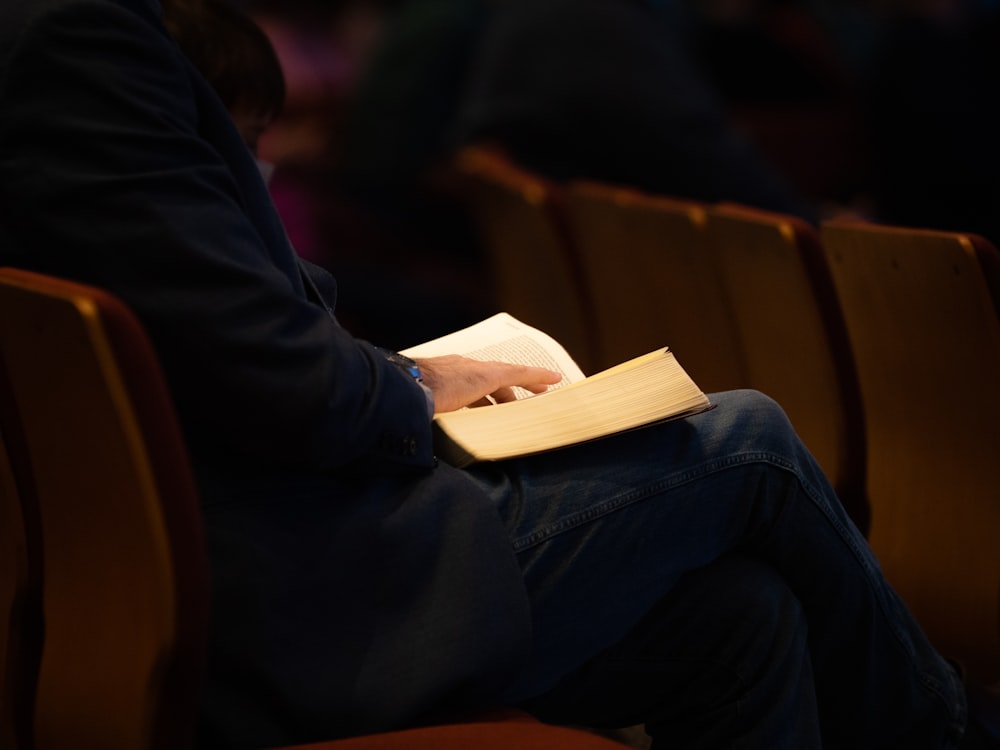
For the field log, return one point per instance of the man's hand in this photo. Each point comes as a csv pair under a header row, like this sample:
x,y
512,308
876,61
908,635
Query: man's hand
x,y
459,381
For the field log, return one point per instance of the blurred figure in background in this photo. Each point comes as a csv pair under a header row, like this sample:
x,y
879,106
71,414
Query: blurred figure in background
x,y
598,89
609,90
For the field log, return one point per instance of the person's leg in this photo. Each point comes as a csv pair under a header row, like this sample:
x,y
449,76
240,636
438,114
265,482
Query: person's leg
x,y
605,530
736,672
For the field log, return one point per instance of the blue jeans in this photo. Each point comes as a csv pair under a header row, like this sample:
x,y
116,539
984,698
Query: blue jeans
x,y
701,577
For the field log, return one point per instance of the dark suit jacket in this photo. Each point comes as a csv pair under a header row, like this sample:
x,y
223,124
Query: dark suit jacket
x,y
357,584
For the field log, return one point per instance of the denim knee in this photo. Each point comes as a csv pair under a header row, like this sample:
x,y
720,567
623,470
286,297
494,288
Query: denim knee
x,y
751,427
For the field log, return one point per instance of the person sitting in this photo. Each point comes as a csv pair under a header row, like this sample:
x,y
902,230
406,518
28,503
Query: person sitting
x,y
698,576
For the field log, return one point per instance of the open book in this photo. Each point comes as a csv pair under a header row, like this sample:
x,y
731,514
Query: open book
x,y
647,389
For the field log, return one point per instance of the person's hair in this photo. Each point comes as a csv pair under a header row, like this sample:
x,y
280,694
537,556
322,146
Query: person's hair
x,y
231,51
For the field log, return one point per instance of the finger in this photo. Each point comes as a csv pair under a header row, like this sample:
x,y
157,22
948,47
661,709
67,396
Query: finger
x,y
518,374
543,375
503,395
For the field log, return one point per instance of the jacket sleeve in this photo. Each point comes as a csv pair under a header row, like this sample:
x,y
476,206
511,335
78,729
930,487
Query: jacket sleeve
x,y
119,167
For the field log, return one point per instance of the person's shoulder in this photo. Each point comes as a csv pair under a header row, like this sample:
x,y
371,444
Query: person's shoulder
x,y
19,17
51,41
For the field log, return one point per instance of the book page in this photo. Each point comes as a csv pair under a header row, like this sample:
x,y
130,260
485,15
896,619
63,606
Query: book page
x,y
504,338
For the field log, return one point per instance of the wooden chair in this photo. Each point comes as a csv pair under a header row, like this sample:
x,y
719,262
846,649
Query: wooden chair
x,y
651,281
124,594
125,572
921,309
534,272
791,337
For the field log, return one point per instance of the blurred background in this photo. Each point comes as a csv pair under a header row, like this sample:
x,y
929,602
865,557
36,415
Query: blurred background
x,y
883,109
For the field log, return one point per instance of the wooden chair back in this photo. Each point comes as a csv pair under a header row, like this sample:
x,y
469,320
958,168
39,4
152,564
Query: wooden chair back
x,y
534,271
791,337
922,317
651,281
124,586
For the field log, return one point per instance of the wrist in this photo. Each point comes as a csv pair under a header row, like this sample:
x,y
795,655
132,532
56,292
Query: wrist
x,y
411,368
404,363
